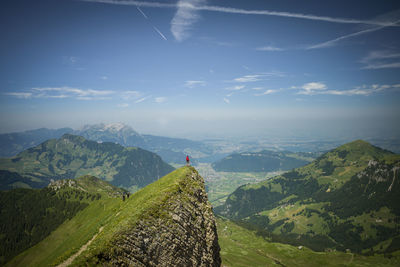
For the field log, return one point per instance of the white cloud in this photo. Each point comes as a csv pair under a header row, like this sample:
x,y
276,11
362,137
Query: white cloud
x,y
381,60
64,92
184,18
128,95
269,48
268,92
160,99
226,100
236,88
258,77
192,84
317,88
104,77
312,88
123,105
142,99
248,78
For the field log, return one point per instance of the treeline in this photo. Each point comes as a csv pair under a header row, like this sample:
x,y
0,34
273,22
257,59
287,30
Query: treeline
x,y
27,216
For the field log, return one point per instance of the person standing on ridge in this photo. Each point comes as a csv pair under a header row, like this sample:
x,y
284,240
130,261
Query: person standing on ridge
x,y
187,160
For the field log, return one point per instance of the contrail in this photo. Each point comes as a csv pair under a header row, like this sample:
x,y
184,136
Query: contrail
x,y
160,33
332,42
232,10
144,15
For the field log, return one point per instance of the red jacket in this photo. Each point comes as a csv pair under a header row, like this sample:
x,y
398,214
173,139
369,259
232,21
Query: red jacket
x,y
187,158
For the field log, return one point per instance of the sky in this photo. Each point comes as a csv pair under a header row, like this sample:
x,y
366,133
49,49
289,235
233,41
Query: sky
x,y
200,69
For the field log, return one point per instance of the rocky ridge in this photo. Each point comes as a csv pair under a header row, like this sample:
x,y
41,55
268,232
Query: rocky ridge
x,y
179,230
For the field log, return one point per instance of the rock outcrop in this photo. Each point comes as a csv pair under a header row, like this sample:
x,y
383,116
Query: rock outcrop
x,y
180,230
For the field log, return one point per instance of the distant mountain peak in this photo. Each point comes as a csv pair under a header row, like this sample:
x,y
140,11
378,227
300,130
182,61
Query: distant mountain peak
x,y
110,127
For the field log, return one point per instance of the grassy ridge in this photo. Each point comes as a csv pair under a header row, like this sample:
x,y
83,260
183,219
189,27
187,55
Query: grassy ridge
x,y
241,248
111,213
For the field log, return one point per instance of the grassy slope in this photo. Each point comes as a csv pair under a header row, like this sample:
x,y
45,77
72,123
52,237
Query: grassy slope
x,y
111,213
74,156
241,247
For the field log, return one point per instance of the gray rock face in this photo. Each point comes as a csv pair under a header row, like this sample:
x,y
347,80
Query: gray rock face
x,y
181,233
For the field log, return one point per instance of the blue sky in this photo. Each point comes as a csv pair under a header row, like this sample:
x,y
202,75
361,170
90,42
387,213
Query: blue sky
x,y
203,68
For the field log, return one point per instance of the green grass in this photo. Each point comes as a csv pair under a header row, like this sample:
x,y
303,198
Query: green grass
x,y
70,236
241,247
114,215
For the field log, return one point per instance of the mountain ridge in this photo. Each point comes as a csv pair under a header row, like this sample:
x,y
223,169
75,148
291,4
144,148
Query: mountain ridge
x,y
316,205
72,156
167,223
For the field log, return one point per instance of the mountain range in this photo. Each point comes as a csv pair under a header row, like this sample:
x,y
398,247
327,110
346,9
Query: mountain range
x,y
72,156
345,199
172,150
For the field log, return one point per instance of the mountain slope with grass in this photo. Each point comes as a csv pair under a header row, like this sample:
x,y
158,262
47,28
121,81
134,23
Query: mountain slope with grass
x,y
29,215
167,223
73,156
345,199
241,247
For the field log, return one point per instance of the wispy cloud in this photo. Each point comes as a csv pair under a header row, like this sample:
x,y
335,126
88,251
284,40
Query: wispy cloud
x,y
24,95
189,9
235,88
192,84
123,105
248,78
64,92
186,15
130,94
268,92
312,88
226,100
258,77
142,99
104,77
381,60
160,99
269,48
318,88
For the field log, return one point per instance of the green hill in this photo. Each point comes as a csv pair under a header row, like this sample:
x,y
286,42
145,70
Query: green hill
x,y
241,247
345,199
73,156
29,215
263,161
167,223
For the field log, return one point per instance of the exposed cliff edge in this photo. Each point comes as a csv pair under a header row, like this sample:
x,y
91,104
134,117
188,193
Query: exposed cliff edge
x,y
168,223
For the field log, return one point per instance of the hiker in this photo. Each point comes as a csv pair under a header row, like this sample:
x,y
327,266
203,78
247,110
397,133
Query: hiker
x,y
187,160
